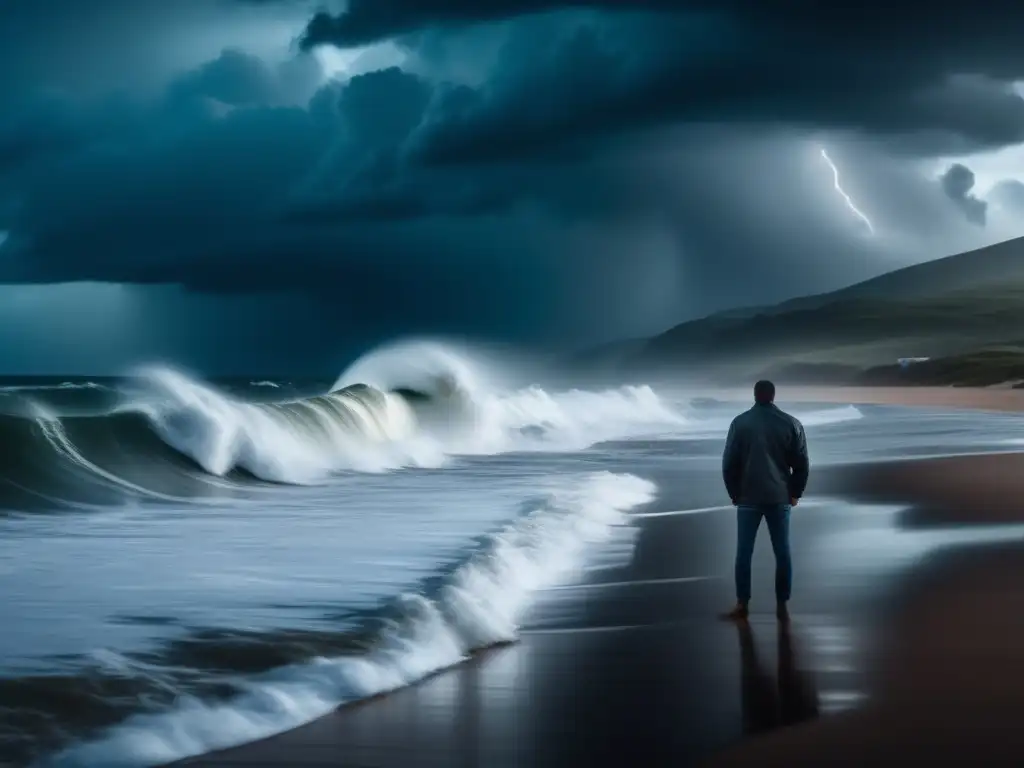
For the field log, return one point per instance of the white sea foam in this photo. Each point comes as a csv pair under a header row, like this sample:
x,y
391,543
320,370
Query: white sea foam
x,y
703,427
830,416
46,387
480,605
472,411
364,426
452,405
296,442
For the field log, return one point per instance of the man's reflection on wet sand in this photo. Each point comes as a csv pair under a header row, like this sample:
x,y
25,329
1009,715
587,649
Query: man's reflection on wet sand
x,y
788,699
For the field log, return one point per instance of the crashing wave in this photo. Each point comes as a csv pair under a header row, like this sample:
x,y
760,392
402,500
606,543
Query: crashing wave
x,y
407,405
479,605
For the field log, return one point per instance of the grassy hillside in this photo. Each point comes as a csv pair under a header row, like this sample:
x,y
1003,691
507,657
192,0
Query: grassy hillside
x,y
999,263
981,368
976,369
967,309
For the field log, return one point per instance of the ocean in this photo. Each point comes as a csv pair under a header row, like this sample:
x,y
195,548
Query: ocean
x,y
189,565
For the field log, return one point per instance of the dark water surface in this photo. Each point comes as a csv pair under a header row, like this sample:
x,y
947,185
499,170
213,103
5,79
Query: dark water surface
x,y
154,612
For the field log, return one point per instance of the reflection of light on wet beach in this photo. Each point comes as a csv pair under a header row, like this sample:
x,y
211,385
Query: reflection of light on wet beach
x,y
633,583
584,630
869,548
832,702
874,544
833,649
704,510
828,649
831,639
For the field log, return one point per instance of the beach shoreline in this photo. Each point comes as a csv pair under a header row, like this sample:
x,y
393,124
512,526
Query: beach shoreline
x,y
997,398
951,665
665,636
952,653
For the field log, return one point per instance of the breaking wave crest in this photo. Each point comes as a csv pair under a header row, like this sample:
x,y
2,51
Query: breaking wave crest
x,y
417,404
478,606
170,436
166,437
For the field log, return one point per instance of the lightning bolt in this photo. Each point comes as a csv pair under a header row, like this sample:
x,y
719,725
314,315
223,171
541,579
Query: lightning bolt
x,y
849,203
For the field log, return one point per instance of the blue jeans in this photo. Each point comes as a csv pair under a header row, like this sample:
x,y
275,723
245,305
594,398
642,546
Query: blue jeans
x,y
748,519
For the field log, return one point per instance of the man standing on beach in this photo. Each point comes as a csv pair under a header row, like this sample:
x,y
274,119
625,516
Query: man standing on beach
x,y
765,467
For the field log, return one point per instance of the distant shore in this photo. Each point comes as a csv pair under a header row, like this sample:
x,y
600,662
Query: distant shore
x,y
998,398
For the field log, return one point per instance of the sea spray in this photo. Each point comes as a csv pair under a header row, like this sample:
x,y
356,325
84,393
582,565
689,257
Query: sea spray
x,y
416,405
297,442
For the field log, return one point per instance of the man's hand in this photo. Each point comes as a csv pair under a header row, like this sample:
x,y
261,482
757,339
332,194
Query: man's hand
x,y
793,501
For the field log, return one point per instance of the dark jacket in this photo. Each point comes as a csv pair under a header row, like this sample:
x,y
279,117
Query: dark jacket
x,y
765,459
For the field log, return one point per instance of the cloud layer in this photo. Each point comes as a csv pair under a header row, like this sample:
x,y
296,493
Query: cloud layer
x,y
533,171
957,183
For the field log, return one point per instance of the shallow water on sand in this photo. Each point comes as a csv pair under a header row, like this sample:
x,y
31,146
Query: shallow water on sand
x,y
165,625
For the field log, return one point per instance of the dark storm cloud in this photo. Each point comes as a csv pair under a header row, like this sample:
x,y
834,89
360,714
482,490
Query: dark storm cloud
x,y
1009,194
528,180
957,182
238,79
366,21
220,188
38,129
877,66
223,188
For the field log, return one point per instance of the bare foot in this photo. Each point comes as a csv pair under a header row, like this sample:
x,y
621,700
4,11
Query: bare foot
x,y
738,613
782,612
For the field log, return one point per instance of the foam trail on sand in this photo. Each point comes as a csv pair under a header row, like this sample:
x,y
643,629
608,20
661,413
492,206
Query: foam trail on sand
x,y
480,605
830,416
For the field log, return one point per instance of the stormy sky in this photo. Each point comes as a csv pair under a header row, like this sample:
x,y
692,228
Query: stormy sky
x,y
277,185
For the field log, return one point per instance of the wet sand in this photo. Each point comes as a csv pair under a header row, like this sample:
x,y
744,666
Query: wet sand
x,y
953,669
950,668
1000,398
960,490
633,661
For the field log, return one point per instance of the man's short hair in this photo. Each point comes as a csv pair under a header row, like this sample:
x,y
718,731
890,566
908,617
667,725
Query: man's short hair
x,y
764,391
